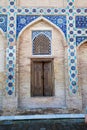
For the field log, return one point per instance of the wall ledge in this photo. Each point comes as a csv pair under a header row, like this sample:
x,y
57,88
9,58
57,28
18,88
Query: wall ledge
x,y
47,116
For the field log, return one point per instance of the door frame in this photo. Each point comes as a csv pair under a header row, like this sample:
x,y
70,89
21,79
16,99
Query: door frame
x,y
42,60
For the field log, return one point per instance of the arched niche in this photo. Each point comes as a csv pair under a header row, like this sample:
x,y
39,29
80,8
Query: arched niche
x,y
82,71
45,3
2,66
24,61
80,3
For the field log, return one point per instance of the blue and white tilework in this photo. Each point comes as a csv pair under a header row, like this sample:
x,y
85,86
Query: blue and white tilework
x,y
72,62
22,21
10,65
11,50
59,20
72,22
81,21
3,23
41,11
11,22
80,39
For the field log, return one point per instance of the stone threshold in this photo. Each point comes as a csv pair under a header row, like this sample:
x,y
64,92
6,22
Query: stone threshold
x,y
45,116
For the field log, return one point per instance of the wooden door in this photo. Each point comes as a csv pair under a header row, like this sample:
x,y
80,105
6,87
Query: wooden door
x,y
41,78
37,79
47,79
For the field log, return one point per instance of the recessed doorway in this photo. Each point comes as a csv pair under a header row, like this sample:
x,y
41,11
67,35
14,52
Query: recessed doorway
x,y
42,77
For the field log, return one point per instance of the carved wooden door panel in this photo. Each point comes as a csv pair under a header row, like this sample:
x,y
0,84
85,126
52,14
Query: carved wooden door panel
x,y
47,79
37,80
41,78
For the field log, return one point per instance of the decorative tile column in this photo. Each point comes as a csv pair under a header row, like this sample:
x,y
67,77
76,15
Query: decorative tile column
x,y
10,100
11,50
74,99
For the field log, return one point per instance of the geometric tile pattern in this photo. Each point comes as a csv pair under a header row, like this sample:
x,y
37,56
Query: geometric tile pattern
x,y
10,65
3,22
81,21
11,50
80,39
58,20
11,22
72,21
41,11
72,62
22,21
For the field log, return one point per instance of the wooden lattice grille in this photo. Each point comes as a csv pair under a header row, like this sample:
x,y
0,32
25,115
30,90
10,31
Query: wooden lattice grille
x,y
41,45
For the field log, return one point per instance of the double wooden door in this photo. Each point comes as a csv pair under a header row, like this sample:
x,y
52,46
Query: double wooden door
x,y
42,78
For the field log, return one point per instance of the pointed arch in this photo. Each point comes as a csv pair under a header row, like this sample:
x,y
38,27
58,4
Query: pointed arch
x,y
3,46
47,21
25,57
2,65
2,32
82,70
81,43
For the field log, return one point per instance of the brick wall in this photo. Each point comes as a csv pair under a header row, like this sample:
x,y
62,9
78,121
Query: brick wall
x,y
46,3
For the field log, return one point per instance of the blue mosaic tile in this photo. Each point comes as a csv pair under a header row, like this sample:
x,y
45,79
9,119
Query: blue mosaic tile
x,y
73,75
4,10
74,91
60,21
71,32
10,69
78,10
74,83
12,3
79,31
10,60
3,22
81,21
22,21
73,67
71,47
10,84
10,92
71,3
85,11
72,53
80,39
72,60
63,10
10,77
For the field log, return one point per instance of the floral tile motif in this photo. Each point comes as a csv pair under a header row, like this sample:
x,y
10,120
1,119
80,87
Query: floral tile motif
x,y
81,21
3,22
22,21
80,39
58,20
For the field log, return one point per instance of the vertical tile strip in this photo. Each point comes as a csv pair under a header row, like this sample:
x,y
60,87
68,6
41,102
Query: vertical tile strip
x,y
11,49
72,61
